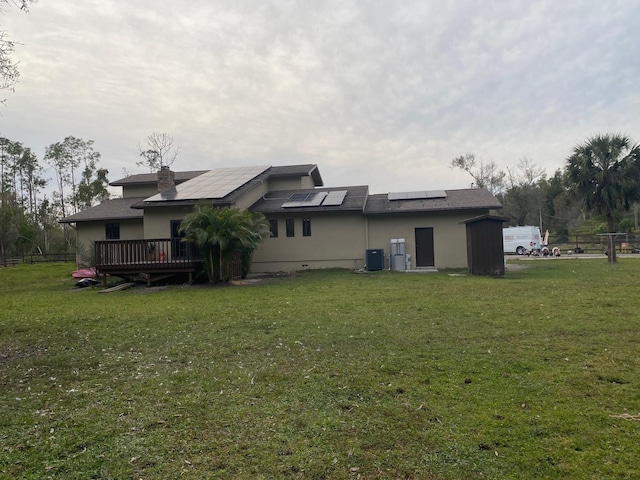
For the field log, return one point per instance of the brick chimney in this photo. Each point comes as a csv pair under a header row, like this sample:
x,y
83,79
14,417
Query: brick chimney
x,y
166,179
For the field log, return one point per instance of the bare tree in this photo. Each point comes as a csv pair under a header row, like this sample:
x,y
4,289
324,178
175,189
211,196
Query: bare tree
x,y
8,69
485,175
158,151
523,197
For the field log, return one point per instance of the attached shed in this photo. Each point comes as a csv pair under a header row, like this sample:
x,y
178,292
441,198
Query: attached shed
x,y
485,252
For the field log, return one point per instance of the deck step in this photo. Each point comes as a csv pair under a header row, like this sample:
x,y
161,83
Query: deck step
x,y
122,286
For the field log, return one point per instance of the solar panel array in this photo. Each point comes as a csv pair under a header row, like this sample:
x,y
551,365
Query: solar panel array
x,y
305,199
214,184
315,199
418,195
335,198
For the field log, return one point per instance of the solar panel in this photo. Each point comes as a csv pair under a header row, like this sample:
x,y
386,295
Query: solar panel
x,y
335,198
304,199
417,195
214,184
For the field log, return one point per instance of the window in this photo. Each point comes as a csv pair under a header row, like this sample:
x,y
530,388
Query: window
x,y
112,231
306,227
291,230
273,227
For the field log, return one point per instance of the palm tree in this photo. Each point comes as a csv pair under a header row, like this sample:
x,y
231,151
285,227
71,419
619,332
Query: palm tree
x,y
200,228
220,233
605,171
257,229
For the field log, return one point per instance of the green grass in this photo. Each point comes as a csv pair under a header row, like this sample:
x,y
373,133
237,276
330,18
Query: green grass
x,y
329,374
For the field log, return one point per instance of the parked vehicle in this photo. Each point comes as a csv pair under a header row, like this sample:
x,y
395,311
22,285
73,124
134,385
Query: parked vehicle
x,y
521,240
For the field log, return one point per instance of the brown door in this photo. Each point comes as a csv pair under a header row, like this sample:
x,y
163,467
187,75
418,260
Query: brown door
x,y
424,247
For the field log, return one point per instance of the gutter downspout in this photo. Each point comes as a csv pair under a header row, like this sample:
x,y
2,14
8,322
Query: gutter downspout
x,y
366,220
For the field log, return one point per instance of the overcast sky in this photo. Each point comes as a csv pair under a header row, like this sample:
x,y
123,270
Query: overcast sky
x,y
378,93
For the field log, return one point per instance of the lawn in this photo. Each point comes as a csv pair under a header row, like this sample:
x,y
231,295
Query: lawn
x,y
326,374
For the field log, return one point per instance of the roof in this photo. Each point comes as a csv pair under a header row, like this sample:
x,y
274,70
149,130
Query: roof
x,y
467,199
115,209
357,198
487,216
241,189
145,178
272,202
214,184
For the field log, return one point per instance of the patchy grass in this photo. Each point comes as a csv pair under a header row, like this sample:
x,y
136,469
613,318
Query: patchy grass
x,y
329,374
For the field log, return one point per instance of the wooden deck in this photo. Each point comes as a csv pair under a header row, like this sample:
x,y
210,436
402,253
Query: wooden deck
x,y
156,258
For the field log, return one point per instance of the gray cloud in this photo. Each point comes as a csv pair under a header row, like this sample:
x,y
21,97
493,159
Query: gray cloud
x,y
381,93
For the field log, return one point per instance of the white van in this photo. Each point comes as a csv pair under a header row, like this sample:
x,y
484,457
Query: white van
x,y
521,240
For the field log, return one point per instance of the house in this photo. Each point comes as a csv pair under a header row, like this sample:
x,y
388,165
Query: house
x,y
312,226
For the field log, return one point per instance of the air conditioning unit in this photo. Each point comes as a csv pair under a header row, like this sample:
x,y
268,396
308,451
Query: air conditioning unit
x,y
375,259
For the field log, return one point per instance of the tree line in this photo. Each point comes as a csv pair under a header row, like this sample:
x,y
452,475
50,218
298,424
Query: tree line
x,y
29,212
594,192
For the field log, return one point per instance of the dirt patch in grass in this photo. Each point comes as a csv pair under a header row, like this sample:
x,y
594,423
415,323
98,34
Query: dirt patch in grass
x,y
252,280
514,267
10,353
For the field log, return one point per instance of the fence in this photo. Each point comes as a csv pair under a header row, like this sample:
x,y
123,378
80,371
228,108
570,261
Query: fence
x,y
624,242
43,258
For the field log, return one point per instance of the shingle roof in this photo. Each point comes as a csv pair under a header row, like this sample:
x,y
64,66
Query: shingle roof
x,y
356,199
468,199
272,202
278,171
115,209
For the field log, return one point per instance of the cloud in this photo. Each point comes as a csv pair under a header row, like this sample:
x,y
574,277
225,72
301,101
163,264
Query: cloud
x,y
382,93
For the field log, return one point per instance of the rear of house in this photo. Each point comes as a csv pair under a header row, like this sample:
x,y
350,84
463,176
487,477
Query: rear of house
x,y
312,226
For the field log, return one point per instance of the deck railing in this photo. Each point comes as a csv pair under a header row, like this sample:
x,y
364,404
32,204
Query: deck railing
x,y
157,253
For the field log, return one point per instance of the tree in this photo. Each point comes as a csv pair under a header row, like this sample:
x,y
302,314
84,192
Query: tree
x,y
560,210
485,175
92,189
8,69
220,233
605,172
66,158
258,230
159,152
522,199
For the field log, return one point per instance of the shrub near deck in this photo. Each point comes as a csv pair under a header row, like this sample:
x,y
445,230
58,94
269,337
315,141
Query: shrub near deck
x,y
328,374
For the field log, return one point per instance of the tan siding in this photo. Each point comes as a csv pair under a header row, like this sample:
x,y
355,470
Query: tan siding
x,y
89,232
251,197
288,183
157,221
129,191
337,240
449,235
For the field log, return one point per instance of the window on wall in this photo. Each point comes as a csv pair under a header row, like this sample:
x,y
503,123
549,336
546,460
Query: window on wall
x,y
273,227
291,230
112,231
306,227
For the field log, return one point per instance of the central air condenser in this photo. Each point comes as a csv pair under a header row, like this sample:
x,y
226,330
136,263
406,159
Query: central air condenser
x,y
375,259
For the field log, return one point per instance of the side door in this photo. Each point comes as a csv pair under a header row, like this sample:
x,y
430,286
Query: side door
x,y
424,247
